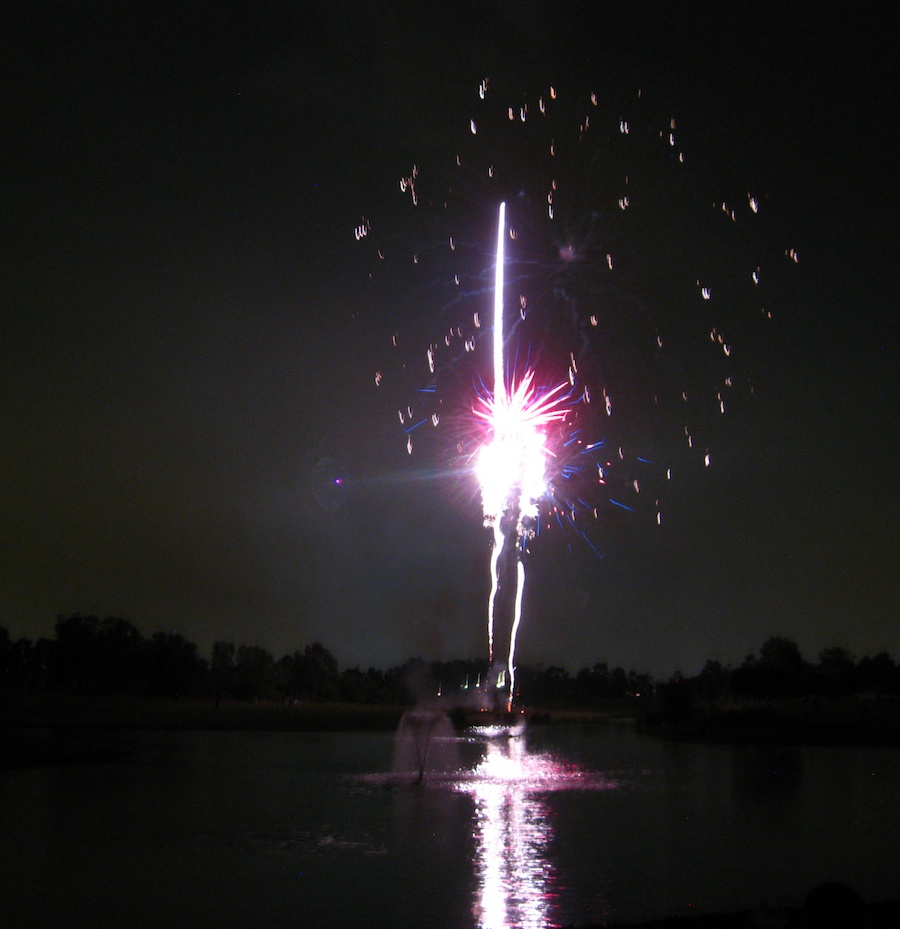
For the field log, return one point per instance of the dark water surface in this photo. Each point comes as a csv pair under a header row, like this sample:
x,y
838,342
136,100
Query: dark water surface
x,y
559,826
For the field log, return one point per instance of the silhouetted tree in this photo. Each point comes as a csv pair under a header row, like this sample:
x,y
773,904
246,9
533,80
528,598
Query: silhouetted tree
x,y
878,675
42,667
253,673
73,658
779,672
713,681
172,666
835,675
13,661
640,684
592,685
542,685
117,656
371,686
222,670
779,652
285,679
676,700
320,677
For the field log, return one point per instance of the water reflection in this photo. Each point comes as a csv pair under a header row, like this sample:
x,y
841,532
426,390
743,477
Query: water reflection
x,y
518,885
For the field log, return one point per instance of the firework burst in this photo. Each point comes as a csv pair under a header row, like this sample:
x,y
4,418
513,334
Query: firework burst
x,y
624,295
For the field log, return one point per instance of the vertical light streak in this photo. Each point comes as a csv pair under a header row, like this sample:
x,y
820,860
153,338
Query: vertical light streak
x,y
512,464
520,590
495,586
499,397
499,381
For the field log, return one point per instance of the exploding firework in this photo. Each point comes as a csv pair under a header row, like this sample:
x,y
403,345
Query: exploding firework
x,y
512,464
627,289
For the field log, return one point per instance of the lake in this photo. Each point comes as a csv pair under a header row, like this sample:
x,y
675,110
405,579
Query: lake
x,y
558,825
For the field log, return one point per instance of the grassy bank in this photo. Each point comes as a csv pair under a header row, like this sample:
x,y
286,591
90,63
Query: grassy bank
x,y
853,720
49,729
66,711
58,711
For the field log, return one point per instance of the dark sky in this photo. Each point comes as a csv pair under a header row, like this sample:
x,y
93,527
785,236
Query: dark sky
x,y
187,342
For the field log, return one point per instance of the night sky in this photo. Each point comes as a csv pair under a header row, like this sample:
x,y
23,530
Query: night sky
x,y
187,341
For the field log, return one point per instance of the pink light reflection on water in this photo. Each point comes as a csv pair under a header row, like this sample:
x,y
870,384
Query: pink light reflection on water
x,y
518,884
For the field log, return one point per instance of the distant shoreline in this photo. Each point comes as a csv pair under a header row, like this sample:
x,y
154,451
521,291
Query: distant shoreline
x,y
66,711
52,728
40,729
52,710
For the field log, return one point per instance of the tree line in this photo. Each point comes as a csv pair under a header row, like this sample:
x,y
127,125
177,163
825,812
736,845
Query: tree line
x,y
93,656
778,672
779,697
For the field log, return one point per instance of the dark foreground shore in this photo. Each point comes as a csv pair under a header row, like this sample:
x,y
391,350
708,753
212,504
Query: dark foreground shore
x,y
828,906
884,915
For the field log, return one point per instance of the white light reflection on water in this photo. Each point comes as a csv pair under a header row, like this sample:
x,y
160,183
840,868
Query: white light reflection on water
x,y
518,885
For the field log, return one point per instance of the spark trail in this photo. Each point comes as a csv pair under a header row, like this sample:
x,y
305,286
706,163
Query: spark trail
x,y
511,465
